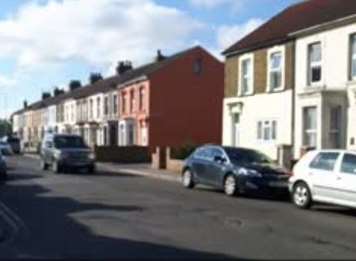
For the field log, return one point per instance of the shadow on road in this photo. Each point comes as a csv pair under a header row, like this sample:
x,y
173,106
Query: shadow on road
x,y
53,231
101,173
335,210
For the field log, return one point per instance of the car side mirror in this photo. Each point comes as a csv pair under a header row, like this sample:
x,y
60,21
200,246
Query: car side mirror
x,y
219,159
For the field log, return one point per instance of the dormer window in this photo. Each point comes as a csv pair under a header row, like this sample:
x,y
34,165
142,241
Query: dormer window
x,y
314,63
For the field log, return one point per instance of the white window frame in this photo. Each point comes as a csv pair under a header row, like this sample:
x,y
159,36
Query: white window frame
x,y
251,76
274,50
352,56
267,124
115,104
310,131
312,65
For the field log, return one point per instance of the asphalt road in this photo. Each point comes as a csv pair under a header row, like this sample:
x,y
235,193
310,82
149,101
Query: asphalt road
x,y
43,215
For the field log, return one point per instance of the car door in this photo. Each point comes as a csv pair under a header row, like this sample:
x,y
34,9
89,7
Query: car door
x,y
323,176
346,178
215,171
200,164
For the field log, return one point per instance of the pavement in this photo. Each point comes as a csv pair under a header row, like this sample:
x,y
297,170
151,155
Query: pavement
x,y
119,215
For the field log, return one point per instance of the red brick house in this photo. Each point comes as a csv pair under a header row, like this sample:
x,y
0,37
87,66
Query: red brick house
x,y
173,101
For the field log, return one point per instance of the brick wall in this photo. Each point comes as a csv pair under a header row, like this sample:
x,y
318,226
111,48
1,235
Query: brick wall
x,y
131,154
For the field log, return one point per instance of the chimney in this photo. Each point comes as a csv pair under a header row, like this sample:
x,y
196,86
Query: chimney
x,y
46,95
74,84
123,67
57,92
25,104
160,56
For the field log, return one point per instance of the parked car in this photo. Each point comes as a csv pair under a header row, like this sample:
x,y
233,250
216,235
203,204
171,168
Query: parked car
x,y
235,170
62,152
14,142
326,176
3,167
6,149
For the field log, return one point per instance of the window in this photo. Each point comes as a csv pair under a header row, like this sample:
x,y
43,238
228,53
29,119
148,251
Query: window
x,y
132,100
115,103
98,111
309,127
203,153
353,57
246,77
267,130
314,60
325,161
349,164
91,108
334,129
123,102
106,105
198,66
141,98
275,71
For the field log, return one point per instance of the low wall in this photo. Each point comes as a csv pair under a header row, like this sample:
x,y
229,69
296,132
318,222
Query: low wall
x,y
130,154
175,165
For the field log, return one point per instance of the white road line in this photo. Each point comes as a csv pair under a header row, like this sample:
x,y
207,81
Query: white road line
x,y
14,221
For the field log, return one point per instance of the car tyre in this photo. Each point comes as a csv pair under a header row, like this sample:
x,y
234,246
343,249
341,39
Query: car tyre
x,y
91,169
302,196
230,185
44,165
187,179
57,168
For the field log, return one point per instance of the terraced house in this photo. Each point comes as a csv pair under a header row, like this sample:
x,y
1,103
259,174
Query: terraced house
x,y
259,83
171,101
289,85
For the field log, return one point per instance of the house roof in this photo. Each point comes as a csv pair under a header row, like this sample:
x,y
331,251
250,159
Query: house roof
x,y
108,84
297,17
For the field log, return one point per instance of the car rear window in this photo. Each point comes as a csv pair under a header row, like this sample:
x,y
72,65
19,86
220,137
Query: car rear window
x,y
349,164
325,161
69,142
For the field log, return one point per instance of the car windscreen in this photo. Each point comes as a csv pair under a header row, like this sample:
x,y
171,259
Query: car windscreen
x,y
69,142
13,140
245,156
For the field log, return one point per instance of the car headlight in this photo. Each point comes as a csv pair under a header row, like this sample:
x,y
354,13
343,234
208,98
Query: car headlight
x,y
60,155
91,156
249,172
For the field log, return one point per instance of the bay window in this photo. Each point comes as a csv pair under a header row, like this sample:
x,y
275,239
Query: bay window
x,y
310,127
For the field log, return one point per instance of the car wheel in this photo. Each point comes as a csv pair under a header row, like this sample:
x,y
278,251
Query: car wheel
x,y
302,196
44,165
57,168
230,185
91,169
187,179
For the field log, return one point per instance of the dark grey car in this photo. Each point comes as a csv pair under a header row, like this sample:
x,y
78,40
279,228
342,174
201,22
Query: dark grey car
x,y
235,170
62,152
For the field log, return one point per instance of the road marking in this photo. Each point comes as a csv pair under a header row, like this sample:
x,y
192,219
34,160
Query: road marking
x,y
14,221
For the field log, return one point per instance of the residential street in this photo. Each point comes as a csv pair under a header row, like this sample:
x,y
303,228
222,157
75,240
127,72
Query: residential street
x,y
43,215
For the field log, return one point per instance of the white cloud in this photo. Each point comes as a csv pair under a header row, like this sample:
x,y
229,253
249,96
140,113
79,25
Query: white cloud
x,y
6,82
210,4
228,35
97,32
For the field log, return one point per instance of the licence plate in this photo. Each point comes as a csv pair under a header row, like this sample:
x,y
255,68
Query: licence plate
x,y
279,184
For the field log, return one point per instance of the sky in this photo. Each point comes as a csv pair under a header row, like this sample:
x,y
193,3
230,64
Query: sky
x,y
48,43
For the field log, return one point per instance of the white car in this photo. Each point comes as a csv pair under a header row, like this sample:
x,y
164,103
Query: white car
x,y
326,176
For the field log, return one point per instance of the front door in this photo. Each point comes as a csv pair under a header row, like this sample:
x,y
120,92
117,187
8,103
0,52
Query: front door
x,y
236,129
